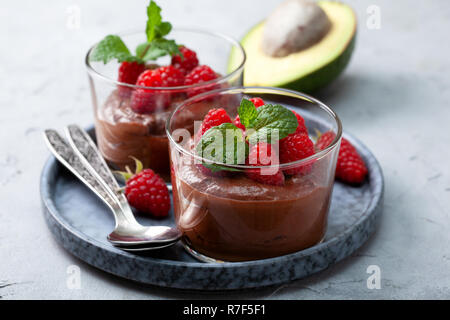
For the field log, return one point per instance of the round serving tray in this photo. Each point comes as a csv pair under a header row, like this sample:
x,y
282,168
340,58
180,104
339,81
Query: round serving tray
x,y
80,222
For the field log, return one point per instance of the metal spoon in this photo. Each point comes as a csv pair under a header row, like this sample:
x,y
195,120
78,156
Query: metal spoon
x,y
86,163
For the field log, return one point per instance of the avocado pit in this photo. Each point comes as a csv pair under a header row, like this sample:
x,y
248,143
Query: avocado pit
x,y
294,26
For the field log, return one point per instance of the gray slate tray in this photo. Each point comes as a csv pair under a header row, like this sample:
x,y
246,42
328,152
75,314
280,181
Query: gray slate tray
x,y
80,222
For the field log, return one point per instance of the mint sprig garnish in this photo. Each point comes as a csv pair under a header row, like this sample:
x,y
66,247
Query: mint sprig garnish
x,y
156,45
226,143
156,28
247,112
157,48
222,144
112,46
267,122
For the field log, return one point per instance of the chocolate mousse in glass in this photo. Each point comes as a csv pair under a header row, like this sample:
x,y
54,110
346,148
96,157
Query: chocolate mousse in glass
x,y
226,216
120,131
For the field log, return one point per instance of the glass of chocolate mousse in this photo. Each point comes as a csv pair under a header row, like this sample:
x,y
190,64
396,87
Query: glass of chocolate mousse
x,y
130,117
249,209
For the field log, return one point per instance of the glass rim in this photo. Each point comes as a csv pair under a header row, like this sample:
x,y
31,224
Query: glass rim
x,y
256,90
92,71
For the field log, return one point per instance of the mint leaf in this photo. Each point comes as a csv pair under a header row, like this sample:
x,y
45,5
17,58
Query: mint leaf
x,y
163,29
156,45
222,144
272,121
156,28
142,50
146,52
157,48
153,20
247,112
111,47
169,46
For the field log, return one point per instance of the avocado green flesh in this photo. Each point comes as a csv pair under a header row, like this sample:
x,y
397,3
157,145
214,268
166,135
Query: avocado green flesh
x,y
309,69
323,76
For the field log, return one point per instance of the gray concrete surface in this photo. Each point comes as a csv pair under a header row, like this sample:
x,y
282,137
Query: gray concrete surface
x,y
394,96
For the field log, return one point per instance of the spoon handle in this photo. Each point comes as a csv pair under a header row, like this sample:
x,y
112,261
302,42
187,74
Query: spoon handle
x,y
92,159
65,154
85,148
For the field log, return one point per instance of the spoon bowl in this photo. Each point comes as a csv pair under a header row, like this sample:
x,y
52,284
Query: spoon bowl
x,y
153,236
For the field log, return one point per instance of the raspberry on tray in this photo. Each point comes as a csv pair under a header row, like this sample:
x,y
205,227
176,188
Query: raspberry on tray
x,y
350,166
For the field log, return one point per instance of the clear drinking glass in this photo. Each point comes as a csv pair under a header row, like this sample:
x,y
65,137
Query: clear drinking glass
x,y
122,133
233,218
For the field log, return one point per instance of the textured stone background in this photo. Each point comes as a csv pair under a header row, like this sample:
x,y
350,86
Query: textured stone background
x,y
394,96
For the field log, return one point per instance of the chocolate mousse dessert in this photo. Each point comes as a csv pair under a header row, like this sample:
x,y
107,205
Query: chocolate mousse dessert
x,y
122,133
230,213
236,219
130,119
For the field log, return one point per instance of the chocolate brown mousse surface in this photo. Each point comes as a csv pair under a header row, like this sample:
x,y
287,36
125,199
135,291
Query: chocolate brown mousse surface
x,y
237,219
122,133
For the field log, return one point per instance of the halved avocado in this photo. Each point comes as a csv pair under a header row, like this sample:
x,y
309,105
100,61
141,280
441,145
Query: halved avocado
x,y
308,69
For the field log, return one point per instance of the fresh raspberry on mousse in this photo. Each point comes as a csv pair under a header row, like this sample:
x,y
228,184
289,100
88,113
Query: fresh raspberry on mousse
x,y
301,124
258,102
262,154
186,63
171,76
208,172
294,147
200,74
149,100
128,73
324,140
214,117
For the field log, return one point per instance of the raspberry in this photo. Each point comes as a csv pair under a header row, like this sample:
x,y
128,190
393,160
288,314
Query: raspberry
x,y
187,63
350,166
258,102
237,123
207,172
296,147
171,77
301,124
150,100
262,154
214,118
325,140
148,193
198,75
128,73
